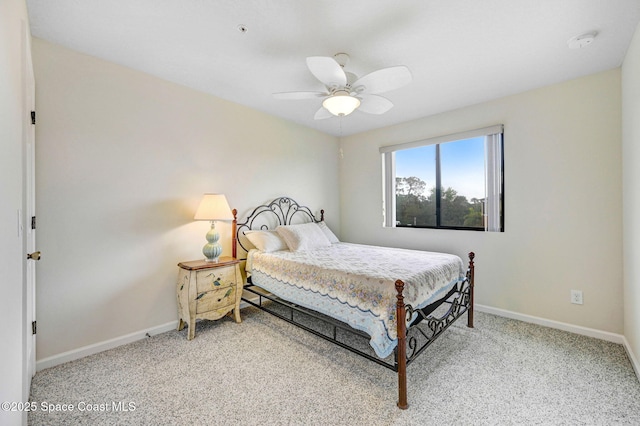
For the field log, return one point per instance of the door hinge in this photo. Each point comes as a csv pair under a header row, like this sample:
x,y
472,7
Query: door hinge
x,y
33,327
33,222
33,117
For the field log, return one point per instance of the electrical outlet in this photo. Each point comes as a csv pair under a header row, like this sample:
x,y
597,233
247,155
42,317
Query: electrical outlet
x,y
576,297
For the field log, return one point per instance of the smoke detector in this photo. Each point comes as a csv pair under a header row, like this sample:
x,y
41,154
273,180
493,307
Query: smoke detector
x,y
584,40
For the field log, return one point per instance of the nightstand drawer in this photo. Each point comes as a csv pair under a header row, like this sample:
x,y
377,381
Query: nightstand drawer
x,y
216,299
212,279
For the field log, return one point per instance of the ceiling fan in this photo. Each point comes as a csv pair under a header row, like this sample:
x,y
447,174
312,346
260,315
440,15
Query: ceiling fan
x,y
345,92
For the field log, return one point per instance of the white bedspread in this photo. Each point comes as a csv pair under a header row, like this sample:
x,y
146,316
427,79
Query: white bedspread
x,y
356,283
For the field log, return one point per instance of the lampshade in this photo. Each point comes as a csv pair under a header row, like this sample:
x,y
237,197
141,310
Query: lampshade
x,y
341,103
214,207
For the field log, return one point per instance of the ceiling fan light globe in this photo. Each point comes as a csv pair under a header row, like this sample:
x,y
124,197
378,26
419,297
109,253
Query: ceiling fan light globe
x,y
341,104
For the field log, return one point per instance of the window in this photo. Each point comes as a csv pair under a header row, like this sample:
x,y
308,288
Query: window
x,y
450,182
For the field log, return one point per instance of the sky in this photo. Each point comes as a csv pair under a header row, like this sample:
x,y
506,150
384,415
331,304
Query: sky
x,y
462,164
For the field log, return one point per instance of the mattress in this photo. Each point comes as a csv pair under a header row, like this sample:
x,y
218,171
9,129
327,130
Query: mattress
x,y
356,283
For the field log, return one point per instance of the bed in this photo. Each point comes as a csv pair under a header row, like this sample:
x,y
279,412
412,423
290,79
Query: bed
x,y
398,301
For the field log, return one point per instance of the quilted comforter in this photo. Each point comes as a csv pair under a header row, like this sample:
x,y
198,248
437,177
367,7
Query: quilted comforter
x,y
356,283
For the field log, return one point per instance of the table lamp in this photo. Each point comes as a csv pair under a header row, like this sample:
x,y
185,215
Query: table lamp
x,y
213,207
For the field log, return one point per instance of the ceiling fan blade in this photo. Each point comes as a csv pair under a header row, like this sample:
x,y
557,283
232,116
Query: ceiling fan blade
x,y
327,70
299,95
383,80
374,104
322,113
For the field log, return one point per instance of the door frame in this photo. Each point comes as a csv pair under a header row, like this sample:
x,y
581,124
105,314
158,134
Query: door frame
x,y
29,205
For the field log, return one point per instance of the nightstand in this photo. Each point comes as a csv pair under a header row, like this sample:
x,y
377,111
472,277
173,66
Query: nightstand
x,y
208,290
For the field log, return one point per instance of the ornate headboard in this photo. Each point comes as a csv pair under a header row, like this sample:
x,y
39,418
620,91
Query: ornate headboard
x,y
280,211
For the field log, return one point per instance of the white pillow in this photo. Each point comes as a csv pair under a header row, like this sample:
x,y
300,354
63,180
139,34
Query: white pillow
x,y
306,236
266,241
327,233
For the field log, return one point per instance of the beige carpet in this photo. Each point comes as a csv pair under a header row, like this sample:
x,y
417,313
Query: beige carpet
x,y
265,371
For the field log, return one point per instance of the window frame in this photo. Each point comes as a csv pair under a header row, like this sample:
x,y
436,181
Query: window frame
x,y
494,173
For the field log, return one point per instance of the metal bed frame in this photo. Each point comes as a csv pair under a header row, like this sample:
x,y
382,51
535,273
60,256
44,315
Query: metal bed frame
x,y
430,322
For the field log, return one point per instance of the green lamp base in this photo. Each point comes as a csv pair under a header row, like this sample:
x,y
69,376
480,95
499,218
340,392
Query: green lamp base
x,y
212,250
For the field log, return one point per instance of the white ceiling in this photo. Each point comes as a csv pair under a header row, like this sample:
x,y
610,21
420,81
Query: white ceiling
x,y
460,52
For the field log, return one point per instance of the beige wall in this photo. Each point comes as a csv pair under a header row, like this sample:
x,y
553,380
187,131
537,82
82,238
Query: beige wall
x,y
13,382
563,214
123,160
631,193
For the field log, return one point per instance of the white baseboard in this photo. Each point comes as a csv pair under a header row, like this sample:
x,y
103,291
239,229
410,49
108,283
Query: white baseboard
x,y
142,334
103,346
252,297
108,344
632,357
585,331
590,332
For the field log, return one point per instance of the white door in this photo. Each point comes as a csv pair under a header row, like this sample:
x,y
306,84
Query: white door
x,y
31,256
